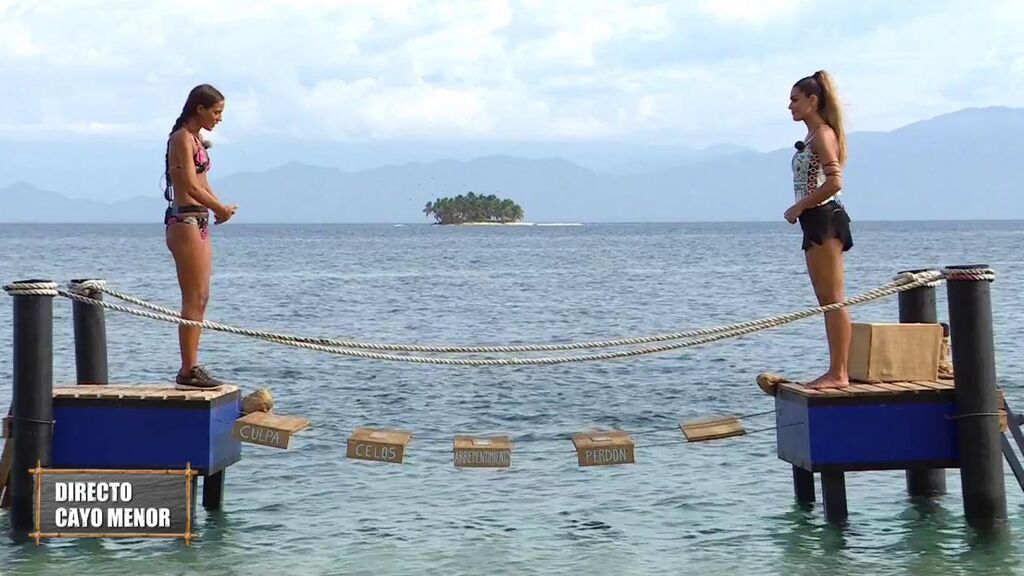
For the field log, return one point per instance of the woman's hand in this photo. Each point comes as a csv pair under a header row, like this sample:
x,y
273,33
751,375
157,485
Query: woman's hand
x,y
793,213
224,214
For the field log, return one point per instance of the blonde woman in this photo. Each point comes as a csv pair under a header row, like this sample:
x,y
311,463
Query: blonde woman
x,y
817,182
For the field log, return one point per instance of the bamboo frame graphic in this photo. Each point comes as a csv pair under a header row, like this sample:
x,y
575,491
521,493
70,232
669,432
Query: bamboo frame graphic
x,y
38,472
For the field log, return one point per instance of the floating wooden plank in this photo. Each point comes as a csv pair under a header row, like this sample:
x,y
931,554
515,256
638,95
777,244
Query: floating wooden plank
x,y
603,448
265,429
378,445
491,452
712,429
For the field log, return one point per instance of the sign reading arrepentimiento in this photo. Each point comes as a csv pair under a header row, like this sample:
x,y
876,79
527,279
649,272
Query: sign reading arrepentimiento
x,y
113,503
493,452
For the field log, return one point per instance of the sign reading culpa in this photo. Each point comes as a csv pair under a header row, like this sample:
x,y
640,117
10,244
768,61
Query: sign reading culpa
x,y
113,503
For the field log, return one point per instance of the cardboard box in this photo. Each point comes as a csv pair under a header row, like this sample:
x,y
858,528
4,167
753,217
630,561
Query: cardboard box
x,y
493,452
603,448
895,352
267,429
378,445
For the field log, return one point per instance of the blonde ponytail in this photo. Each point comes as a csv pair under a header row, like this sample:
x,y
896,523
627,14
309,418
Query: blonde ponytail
x,y
821,85
832,111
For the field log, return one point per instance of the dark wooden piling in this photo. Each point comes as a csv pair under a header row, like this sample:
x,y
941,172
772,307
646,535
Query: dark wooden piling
x,y
32,402
833,492
803,485
90,337
918,306
977,401
213,490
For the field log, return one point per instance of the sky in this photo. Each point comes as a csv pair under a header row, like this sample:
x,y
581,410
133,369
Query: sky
x,y
692,72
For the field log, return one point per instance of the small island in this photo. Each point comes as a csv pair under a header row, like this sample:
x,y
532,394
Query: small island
x,y
474,209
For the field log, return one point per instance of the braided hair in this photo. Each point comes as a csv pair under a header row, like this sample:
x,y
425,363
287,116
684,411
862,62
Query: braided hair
x,y
202,95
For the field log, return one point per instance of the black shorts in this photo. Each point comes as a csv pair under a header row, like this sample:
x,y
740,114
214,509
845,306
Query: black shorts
x,y
829,220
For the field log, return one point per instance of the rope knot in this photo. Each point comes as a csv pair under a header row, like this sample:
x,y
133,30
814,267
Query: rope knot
x,y
927,278
87,287
32,288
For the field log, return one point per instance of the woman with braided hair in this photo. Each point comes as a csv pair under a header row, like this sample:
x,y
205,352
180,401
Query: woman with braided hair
x,y
189,202
817,181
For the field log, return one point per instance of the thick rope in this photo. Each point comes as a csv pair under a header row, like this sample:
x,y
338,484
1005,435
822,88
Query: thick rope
x,y
975,274
31,289
916,280
87,287
912,280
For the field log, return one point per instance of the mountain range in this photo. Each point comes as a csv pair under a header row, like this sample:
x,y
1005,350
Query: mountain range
x,y
956,166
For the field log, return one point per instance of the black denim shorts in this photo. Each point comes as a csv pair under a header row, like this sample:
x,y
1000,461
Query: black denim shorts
x,y
829,220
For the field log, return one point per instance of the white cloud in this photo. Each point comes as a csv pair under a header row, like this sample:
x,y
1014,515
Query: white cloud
x,y
498,69
745,12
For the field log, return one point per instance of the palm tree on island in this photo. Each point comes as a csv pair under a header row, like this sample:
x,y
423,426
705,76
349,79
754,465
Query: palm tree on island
x,y
473,209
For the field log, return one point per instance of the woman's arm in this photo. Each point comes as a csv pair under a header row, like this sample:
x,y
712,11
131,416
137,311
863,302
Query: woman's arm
x,y
206,185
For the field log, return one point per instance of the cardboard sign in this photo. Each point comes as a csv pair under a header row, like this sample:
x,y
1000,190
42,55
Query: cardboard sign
x,y
894,352
266,429
113,503
378,445
493,452
603,448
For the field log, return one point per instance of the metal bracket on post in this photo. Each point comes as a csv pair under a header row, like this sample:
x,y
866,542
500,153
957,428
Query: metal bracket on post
x,y
1013,422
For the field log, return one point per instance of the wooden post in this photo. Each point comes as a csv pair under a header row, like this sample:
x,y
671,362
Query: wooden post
x,y
32,402
803,485
213,490
918,306
833,492
976,399
90,337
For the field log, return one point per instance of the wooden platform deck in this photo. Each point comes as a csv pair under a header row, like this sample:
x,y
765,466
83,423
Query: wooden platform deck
x,y
874,391
164,392
871,389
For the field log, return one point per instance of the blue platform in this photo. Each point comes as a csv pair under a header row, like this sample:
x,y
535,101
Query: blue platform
x,y
145,427
867,428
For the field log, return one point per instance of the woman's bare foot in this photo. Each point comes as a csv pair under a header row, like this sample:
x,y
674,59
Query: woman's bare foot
x,y
828,380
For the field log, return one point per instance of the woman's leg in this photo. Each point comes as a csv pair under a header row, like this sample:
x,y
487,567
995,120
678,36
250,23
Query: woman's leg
x,y
825,266
192,259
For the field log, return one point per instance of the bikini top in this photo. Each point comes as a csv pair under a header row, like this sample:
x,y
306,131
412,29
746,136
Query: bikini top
x,y
200,158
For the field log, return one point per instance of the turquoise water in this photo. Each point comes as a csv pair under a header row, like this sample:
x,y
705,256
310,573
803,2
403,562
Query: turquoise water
x,y
722,507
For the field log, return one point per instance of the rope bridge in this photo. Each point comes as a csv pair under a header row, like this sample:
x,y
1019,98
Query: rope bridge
x,y
84,291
